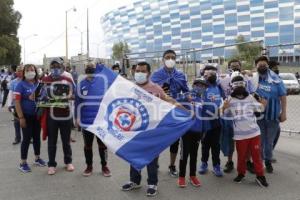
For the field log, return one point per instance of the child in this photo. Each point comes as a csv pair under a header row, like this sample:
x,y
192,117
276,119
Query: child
x,y
190,141
241,107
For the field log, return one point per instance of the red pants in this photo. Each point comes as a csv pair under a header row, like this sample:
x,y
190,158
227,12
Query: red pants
x,y
250,146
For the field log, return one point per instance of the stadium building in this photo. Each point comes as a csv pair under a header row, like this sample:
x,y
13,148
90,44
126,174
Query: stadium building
x,y
157,25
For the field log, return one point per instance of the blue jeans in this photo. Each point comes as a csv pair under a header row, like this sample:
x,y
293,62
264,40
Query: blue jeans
x,y
136,177
269,131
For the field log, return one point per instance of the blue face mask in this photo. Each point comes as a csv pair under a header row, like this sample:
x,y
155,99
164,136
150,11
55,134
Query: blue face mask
x,y
199,90
56,72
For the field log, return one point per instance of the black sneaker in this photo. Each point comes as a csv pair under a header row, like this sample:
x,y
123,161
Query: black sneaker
x,y
250,167
269,167
229,167
261,181
130,186
152,190
172,171
16,142
239,178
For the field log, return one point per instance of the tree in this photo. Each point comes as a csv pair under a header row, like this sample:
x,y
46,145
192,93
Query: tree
x,y
247,52
119,50
9,42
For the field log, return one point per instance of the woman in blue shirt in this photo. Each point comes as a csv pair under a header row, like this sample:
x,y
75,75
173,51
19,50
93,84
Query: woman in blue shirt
x,y
26,110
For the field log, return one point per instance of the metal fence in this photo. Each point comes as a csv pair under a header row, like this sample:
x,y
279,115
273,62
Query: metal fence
x,y
188,64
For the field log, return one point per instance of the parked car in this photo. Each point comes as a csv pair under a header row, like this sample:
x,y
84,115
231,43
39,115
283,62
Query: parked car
x,y
291,83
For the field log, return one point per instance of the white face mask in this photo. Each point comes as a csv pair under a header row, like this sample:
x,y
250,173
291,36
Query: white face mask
x,y
140,78
29,75
170,63
117,71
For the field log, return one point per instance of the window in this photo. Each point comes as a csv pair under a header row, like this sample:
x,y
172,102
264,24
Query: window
x,y
243,8
286,33
195,23
219,40
273,4
184,17
219,11
230,5
185,26
185,45
256,3
230,20
272,27
175,31
207,27
218,29
271,15
185,35
297,34
166,38
257,22
286,13
195,10
206,16
256,34
231,33
207,38
196,35
244,28
218,52
244,18
271,41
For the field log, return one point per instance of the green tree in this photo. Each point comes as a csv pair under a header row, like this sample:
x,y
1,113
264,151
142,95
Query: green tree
x,y
119,50
247,52
9,42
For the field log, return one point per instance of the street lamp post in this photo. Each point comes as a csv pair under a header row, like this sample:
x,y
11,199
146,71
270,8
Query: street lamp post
x,y
81,39
71,9
24,44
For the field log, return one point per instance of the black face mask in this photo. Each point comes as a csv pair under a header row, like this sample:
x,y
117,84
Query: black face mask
x,y
276,71
212,79
90,70
240,92
236,70
262,69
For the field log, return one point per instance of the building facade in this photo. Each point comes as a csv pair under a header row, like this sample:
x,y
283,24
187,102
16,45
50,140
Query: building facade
x,y
157,25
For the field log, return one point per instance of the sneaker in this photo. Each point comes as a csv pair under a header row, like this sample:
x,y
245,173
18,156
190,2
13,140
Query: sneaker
x,y
195,181
130,186
181,182
51,170
16,142
152,190
106,172
70,167
261,180
24,168
269,167
274,160
250,167
40,162
229,167
172,171
239,178
88,171
217,171
203,168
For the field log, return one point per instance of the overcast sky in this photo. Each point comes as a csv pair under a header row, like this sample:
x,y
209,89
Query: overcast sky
x,y
46,18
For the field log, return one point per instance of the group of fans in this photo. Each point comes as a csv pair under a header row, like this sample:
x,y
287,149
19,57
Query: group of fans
x,y
237,109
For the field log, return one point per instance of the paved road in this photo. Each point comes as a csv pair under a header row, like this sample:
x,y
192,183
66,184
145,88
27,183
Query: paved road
x,y
284,183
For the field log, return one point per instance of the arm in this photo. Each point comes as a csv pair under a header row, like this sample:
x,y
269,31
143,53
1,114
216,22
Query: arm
x,y
283,104
20,112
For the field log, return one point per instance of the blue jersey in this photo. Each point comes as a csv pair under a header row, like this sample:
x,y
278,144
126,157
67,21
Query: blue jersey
x,y
271,89
24,89
13,86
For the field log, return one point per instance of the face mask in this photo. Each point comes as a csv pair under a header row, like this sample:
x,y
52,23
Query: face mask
x,y
56,72
199,90
236,70
239,92
262,69
212,79
29,75
116,71
140,77
90,70
170,63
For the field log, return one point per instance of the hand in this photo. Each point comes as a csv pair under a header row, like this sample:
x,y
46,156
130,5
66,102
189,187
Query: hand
x,y
226,104
23,123
282,117
32,97
263,101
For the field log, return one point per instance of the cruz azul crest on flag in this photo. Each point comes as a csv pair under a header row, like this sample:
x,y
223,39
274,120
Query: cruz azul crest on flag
x,y
127,114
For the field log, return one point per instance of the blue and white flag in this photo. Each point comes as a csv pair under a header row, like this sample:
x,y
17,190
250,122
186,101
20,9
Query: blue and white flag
x,y
136,125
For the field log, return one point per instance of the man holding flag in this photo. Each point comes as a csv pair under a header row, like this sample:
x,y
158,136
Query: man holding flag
x,y
134,124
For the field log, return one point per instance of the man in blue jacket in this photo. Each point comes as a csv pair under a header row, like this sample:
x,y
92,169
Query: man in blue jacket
x,y
89,94
174,83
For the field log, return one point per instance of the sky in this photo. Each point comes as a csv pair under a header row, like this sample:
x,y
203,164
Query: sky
x,y
46,20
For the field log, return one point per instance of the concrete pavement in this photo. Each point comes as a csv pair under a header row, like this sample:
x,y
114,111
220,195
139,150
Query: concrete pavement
x,y
37,185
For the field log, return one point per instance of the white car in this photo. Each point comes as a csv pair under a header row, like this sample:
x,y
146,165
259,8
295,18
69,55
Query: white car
x,y
291,83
